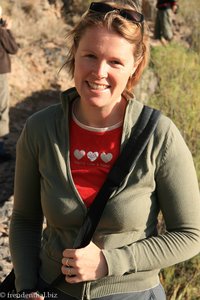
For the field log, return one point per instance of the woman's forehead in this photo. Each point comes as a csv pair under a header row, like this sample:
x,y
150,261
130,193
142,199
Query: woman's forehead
x,y
101,39
98,34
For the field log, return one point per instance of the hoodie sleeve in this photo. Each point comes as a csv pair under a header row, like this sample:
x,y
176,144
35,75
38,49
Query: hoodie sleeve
x,y
179,200
27,217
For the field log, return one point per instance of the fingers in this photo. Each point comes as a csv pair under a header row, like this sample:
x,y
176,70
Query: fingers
x,y
70,267
72,275
69,253
68,262
68,271
65,261
67,267
84,264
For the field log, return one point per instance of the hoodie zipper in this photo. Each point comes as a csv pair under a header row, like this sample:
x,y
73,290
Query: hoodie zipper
x,y
86,291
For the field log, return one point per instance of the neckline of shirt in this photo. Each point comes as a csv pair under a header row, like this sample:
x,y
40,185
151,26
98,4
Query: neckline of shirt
x,y
95,129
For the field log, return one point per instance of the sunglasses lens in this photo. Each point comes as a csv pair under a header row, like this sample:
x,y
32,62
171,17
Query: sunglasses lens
x,y
133,16
138,17
100,7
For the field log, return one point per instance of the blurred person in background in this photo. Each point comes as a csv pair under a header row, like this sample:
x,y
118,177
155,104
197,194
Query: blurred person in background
x,y
8,46
163,29
64,155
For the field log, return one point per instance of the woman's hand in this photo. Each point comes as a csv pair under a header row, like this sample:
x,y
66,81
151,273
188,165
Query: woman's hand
x,y
84,264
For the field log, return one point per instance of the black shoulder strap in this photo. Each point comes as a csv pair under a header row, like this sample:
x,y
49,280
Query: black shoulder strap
x,y
126,161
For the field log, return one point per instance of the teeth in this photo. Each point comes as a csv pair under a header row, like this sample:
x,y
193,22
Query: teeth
x,y
97,86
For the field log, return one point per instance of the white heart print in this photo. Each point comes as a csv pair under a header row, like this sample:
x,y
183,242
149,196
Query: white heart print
x,y
79,154
106,157
92,155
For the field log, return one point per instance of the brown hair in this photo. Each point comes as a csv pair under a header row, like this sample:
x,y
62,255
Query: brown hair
x,y
133,33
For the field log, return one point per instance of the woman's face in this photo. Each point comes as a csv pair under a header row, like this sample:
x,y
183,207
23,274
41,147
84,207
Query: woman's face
x,y
103,64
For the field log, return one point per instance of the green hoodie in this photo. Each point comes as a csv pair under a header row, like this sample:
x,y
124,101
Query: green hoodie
x,y
164,179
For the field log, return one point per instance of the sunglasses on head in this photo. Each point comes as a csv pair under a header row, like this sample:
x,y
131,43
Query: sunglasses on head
x,y
128,14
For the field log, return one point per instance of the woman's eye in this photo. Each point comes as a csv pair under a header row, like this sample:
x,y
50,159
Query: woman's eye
x,y
115,62
90,55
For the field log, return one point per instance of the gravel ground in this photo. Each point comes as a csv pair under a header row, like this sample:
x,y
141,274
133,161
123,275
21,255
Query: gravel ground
x,y
5,261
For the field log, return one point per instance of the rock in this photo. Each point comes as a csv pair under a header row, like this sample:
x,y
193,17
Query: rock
x,y
5,260
147,86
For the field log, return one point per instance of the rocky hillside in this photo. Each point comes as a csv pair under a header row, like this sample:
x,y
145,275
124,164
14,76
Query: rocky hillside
x,y
40,27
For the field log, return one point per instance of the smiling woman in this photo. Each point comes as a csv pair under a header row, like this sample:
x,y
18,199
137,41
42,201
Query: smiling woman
x,y
64,156
101,72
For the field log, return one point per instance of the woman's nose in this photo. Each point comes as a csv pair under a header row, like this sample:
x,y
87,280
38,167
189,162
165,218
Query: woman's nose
x,y
101,69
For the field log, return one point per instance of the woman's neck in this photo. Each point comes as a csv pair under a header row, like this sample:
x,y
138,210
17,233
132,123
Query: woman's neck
x,y
97,117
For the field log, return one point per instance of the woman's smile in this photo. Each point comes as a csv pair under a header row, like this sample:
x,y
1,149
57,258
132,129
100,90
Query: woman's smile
x,y
97,86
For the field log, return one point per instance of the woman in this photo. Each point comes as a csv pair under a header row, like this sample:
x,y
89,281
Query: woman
x,y
64,155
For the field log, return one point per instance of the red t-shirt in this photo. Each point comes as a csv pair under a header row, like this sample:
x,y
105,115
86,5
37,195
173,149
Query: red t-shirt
x,y
92,154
